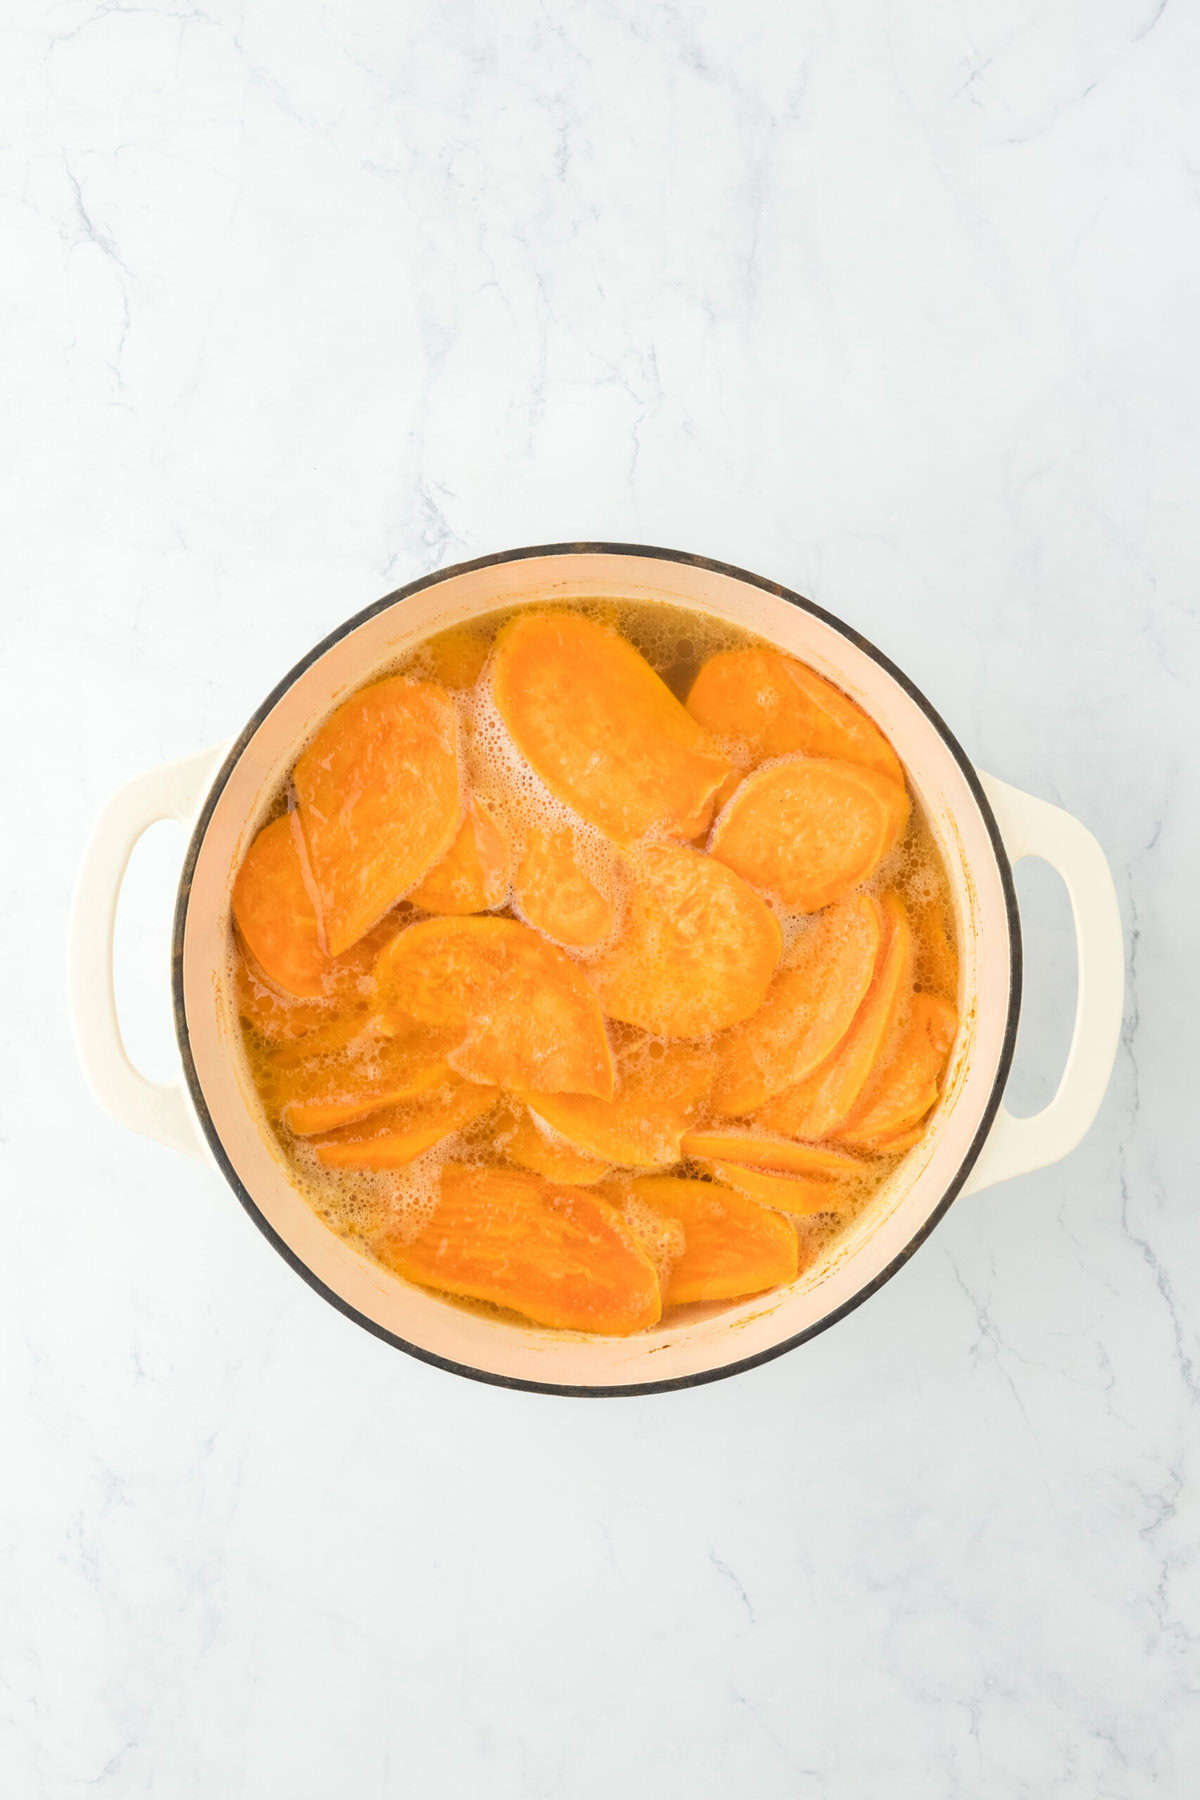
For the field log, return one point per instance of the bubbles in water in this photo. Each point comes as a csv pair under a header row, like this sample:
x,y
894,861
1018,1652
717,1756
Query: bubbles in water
x,y
519,799
662,1239
361,1204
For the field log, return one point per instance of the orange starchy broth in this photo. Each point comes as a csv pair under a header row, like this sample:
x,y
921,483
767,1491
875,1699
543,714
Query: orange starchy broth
x,y
360,1205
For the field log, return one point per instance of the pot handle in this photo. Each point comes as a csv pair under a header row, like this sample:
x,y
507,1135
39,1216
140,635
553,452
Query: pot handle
x,y
1031,827
159,1110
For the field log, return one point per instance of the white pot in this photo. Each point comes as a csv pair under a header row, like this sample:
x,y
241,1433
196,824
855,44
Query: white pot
x,y
981,826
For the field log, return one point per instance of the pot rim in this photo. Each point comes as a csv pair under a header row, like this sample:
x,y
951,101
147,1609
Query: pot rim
x,y
699,1377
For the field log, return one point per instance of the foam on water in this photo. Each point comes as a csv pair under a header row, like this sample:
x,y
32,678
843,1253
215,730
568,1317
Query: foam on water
x,y
364,1202
663,1240
361,1205
519,799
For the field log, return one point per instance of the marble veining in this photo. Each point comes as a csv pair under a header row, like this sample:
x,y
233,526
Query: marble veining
x,y
892,303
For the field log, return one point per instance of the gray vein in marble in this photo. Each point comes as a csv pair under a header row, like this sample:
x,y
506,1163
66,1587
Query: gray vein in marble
x,y
723,1569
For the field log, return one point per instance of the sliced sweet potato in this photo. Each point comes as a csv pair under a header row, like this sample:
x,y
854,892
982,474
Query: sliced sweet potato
x,y
907,1086
561,1256
641,1126
397,1135
808,829
601,729
555,896
816,1106
808,1010
634,1134
936,962
520,1013
901,1142
802,1195
276,1017
669,1070
696,951
345,1081
724,795
348,986
352,974
769,705
663,1239
472,877
380,802
759,1150
732,1245
360,1031
457,656
532,1146
274,911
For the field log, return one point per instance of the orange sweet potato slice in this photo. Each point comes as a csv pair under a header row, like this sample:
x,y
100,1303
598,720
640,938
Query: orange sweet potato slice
x,y
397,1135
936,962
601,729
725,793
380,802
906,1088
340,1082
677,1071
732,1245
816,1106
555,896
808,829
808,1010
631,1133
519,1012
803,1195
901,1142
770,705
348,985
341,1032
561,1256
274,911
472,877
642,1125
531,1146
759,1150
663,1239
696,951
275,1016
457,656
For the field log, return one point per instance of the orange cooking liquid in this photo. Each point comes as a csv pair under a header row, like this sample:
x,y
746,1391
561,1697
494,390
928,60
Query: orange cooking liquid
x,y
651,974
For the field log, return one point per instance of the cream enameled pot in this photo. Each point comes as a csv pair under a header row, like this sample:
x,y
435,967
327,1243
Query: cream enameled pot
x,y
981,825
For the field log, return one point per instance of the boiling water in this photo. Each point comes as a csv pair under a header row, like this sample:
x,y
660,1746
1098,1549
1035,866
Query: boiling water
x,y
676,642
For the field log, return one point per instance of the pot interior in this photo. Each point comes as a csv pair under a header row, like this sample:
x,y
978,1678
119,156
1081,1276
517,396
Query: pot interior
x,y
702,1340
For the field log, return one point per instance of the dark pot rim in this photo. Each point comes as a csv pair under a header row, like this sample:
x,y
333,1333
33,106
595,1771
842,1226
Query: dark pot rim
x,y
740,1365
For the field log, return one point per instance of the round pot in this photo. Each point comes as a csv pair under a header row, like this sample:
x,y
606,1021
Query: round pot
x,y
981,827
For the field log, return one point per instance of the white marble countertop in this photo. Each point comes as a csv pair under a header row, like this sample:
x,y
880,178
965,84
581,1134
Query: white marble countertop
x,y
895,304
